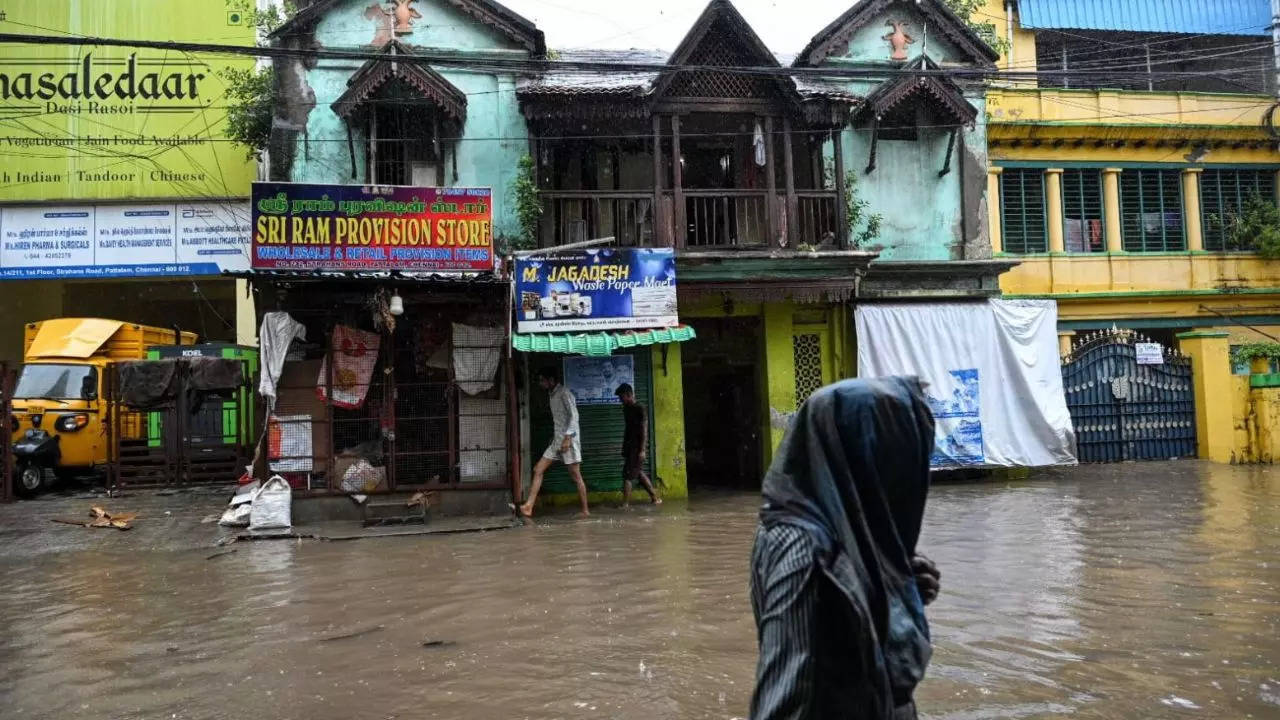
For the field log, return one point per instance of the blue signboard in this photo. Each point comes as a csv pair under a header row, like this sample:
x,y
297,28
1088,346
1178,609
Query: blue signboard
x,y
595,381
598,289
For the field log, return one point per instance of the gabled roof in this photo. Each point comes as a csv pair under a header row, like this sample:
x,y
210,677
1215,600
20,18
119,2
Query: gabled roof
x,y
371,76
835,37
939,90
511,24
757,54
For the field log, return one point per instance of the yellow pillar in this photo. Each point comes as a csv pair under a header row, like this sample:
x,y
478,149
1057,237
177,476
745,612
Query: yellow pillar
x,y
780,371
246,317
1065,339
993,209
1211,380
1111,209
1053,197
1191,208
668,421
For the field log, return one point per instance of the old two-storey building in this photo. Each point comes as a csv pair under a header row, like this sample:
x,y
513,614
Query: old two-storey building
x,y
1125,144
789,186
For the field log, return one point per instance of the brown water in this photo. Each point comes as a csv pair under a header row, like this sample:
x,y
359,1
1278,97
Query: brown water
x,y
1116,592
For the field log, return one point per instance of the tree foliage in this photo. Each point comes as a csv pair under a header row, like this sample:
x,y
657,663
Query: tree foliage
x,y
251,91
864,226
528,205
1255,227
966,10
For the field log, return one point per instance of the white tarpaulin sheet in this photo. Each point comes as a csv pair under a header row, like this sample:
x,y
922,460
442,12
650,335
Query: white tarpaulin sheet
x,y
994,376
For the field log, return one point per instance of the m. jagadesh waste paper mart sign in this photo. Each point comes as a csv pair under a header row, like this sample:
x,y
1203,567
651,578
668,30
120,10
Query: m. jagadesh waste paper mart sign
x,y
103,123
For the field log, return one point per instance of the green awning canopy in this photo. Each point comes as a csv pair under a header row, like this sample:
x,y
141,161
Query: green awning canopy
x,y
599,344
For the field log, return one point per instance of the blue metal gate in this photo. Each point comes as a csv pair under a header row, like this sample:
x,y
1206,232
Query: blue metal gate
x,y
1124,410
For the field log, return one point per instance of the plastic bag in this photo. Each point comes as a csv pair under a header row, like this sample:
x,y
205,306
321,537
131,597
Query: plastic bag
x,y
272,507
236,516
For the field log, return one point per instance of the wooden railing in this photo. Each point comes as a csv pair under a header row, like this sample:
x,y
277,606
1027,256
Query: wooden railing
x,y
713,219
573,216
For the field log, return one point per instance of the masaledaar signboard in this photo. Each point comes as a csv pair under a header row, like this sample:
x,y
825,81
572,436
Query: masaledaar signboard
x,y
89,123
602,289
371,228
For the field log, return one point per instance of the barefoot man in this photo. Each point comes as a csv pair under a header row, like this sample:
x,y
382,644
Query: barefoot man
x,y
635,445
565,445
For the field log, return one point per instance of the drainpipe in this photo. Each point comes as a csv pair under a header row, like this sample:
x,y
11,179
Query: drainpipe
x,y
1009,5
1275,41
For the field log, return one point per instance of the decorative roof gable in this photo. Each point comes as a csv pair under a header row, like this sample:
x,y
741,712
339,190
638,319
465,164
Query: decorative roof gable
x,y
374,74
721,37
936,90
504,20
834,39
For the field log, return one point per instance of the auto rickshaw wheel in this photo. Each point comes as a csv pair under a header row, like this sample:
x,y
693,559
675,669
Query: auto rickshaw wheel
x,y
29,480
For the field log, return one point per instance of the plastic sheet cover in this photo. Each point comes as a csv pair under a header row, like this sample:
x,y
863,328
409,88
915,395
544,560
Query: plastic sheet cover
x,y
993,372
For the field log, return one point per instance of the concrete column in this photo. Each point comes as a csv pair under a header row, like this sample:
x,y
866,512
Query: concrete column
x,y
1111,209
669,464
1211,378
1053,198
1065,339
1191,208
246,316
993,209
780,372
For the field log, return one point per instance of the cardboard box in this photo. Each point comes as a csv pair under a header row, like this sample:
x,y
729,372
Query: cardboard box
x,y
296,395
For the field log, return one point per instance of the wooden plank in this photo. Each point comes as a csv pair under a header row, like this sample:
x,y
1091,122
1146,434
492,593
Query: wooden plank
x,y
789,176
842,230
677,184
657,180
771,183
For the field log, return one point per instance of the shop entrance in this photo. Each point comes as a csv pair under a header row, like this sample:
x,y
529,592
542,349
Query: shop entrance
x,y
722,404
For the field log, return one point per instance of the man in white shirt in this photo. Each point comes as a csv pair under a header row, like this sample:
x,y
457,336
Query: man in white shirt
x,y
566,445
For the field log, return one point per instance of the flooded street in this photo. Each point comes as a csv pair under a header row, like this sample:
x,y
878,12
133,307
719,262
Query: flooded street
x,y
1127,591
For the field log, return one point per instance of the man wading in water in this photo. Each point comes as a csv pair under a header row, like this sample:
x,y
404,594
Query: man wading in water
x,y
565,445
635,444
837,589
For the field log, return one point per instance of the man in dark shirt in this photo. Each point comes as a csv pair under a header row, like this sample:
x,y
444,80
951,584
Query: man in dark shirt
x,y
635,445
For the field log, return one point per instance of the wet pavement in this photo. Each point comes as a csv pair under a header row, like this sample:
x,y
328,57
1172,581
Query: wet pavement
x,y
1128,591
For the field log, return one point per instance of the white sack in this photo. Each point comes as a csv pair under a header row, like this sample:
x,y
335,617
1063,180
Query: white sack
x,y
272,507
476,352
994,376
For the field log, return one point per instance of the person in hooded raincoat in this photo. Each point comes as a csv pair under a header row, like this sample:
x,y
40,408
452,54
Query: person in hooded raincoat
x,y
837,588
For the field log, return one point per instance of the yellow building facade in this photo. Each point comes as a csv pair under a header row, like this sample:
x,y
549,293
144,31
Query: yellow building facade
x,y
1113,191
1121,145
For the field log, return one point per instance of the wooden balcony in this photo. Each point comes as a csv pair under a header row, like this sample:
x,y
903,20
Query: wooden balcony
x,y
713,219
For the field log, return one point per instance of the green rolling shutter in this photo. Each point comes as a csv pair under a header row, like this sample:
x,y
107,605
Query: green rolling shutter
x,y
1222,195
1022,211
1082,211
601,427
1151,210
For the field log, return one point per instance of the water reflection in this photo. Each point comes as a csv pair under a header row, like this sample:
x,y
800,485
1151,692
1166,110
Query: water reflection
x,y
1112,592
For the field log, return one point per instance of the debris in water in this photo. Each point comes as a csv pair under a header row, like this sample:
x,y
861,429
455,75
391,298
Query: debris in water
x,y
1175,701
220,554
357,633
438,643
100,518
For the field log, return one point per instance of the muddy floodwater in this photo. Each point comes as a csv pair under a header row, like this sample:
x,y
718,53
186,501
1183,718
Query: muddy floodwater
x,y
1132,591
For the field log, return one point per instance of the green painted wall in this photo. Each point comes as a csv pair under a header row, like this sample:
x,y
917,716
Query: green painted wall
x,y
494,136
921,211
668,423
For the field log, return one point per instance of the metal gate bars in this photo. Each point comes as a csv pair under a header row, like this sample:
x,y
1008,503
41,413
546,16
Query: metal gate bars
x,y
1130,399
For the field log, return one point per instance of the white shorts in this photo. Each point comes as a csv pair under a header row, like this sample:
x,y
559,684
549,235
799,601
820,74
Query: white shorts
x,y
571,457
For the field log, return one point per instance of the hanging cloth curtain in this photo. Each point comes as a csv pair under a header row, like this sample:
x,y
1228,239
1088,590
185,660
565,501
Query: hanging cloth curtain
x,y
757,142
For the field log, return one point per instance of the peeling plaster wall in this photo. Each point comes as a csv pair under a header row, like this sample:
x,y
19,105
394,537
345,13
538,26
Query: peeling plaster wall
x,y
923,217
494,136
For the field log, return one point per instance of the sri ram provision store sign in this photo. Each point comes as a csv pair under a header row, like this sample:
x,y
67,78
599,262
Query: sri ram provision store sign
x,y
371,228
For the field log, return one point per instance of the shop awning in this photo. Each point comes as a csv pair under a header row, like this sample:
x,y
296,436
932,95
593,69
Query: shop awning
x,y
599,344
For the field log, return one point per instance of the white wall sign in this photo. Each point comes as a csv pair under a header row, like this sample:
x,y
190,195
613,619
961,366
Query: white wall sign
x,y
123,240
1149,353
